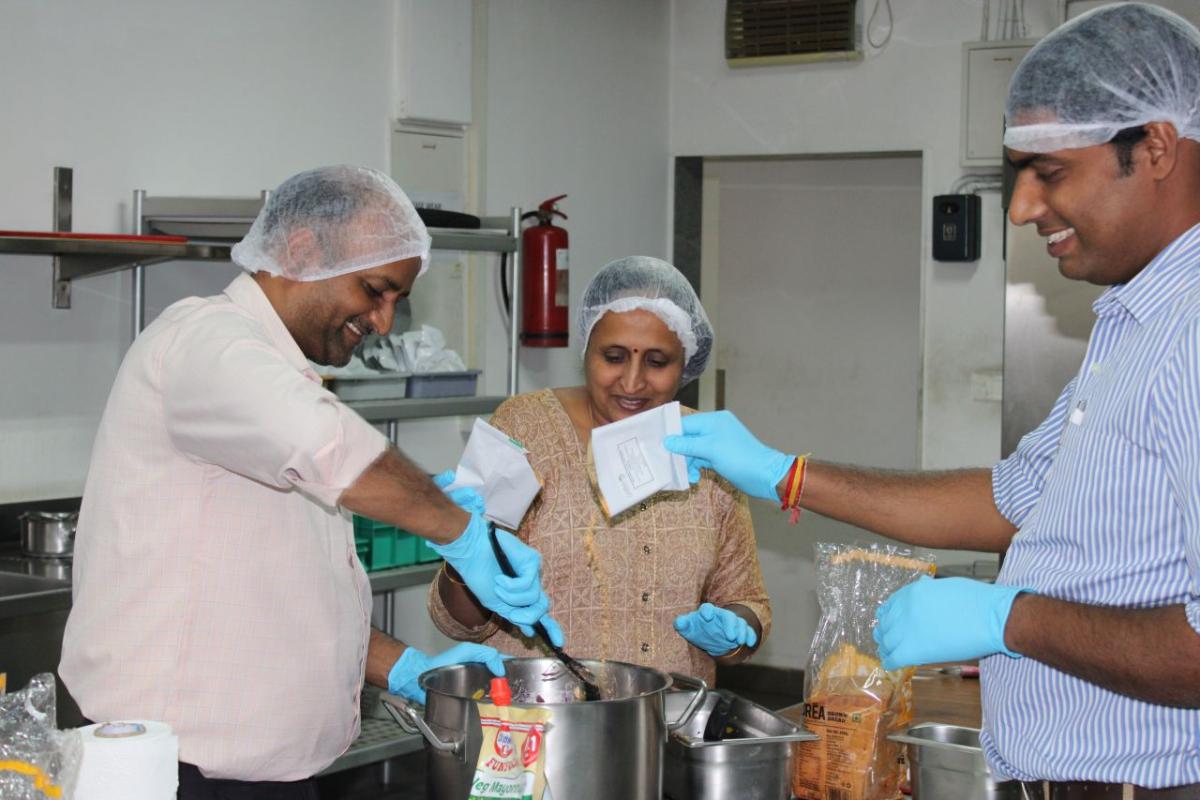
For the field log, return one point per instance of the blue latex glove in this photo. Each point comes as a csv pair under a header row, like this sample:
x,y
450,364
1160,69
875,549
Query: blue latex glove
x,y
465,497
520,600
716,631
948,619
402,679
719,441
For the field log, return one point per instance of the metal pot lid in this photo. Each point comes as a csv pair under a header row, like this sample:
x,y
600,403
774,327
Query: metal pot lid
x,y
50,516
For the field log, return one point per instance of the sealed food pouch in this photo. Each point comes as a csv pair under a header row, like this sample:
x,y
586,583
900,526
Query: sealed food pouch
x,y
627,461
512,759
37,761
850,700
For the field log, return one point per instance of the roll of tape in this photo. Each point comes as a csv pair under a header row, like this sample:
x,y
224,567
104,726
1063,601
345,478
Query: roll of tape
x,y
132,760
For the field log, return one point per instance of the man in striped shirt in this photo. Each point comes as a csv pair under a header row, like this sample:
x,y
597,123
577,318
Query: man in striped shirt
x,y
1090,637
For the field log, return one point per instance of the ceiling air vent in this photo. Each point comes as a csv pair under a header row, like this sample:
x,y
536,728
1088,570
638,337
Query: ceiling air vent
x,y
762,32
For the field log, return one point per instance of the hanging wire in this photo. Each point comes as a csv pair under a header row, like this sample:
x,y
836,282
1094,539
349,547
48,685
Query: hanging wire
x,y
984,34
891,24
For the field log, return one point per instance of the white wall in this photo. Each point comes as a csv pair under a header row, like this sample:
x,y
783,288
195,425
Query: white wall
x,y
576,103
903,98
215,98
228,98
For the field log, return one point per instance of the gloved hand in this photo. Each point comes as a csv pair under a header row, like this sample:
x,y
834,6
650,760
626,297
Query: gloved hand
x,y
719,441
402,679
464,497
948,619
519,600
714,630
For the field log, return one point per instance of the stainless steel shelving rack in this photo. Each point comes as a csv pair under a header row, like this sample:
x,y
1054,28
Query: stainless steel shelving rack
x,y
212,225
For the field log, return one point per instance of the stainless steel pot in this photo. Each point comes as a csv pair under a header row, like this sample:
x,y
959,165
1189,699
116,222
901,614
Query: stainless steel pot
x,y
752,761
48,534
594,750
946,763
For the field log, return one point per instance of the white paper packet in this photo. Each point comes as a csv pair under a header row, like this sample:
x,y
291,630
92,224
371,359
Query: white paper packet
x,y
498,468
631,462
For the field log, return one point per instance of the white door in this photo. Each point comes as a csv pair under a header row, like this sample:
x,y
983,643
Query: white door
x,y
817,313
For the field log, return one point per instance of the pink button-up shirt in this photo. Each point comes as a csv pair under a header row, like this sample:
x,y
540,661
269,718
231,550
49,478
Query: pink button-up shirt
x,y
216,582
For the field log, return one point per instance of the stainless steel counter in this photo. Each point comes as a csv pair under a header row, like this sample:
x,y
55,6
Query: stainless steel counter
x,y
38,585
381,738
32,585
35,598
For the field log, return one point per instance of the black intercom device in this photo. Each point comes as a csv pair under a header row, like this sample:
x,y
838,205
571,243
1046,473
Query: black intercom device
x,y
956,223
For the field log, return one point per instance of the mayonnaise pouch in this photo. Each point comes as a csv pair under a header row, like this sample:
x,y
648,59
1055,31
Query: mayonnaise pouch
x,y
512,758
630,461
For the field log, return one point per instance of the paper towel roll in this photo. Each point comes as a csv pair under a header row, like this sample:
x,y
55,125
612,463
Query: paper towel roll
x,y
135,760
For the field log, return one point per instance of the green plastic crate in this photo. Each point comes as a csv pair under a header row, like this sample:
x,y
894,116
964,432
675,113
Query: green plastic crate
x,y
381,544
406,549
425,553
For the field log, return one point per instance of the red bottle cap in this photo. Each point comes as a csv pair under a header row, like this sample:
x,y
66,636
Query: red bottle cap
x,y
500,693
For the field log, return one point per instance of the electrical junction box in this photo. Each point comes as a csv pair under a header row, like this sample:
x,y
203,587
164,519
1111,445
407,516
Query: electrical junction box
x,y
956,227
987,69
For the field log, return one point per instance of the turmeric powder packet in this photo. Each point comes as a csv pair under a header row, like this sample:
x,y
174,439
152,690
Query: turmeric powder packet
x,y
512,759
850,700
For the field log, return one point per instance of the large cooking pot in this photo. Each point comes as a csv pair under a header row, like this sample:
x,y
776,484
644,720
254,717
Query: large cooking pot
x,y
48,534
605,748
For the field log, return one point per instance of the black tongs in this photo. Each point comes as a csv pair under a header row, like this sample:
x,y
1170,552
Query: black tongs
x,y
586,678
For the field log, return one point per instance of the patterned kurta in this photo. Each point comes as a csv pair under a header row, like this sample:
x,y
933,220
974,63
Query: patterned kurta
x,y
617,586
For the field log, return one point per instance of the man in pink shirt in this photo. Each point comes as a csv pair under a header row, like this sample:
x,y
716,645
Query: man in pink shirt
x,y
217,587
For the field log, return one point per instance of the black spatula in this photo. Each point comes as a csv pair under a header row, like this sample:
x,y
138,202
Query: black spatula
x,y
590,690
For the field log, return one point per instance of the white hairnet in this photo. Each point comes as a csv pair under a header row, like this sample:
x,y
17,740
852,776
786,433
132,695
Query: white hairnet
x,y
1114,67
642,282
330,221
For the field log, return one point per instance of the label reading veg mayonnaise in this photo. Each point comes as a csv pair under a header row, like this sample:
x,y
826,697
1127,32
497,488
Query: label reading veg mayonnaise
x,y
512,759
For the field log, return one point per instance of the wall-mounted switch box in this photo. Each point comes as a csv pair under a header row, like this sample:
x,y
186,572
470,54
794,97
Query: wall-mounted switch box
x,y
956,227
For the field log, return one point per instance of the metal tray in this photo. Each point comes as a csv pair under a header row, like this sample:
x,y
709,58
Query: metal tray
x,y
752,724
753,762
369,387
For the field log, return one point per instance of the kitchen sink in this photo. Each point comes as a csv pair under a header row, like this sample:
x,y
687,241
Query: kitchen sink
x,y
13,585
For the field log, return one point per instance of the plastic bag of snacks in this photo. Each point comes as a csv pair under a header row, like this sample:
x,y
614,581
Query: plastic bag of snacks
x,y
850,700
512,759
37,761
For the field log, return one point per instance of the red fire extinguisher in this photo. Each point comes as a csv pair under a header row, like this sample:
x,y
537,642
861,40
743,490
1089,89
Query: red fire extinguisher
x,y
545,265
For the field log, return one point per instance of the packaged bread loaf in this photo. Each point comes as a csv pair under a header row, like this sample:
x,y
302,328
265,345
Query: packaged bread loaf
x,y
850,700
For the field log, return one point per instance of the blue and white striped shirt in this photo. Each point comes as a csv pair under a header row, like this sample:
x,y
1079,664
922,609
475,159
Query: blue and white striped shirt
x,y
1106,496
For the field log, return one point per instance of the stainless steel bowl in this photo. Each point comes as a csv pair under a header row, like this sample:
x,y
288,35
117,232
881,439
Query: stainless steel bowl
x,y
48,534
947,763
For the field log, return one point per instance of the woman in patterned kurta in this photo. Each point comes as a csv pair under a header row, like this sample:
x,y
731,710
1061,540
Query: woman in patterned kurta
x,y
619,587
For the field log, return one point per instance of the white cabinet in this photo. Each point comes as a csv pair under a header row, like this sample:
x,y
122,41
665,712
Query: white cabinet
x,y
430,164
433,61
987,69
